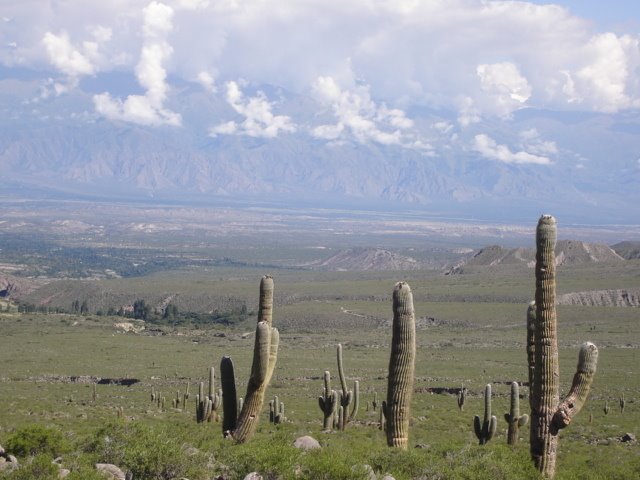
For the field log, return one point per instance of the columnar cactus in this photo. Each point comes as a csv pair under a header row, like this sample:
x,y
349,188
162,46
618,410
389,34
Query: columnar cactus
x,y
328,402
513,418
606,408
622,403
347,396
229,402
401,368
276,411
548,415
215,397
485,430
531,347
265,354
462,394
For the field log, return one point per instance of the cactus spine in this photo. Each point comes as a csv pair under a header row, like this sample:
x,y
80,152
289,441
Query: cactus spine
x,y
548,415
513,418
328,402
229,402
485,430
265,354
401,368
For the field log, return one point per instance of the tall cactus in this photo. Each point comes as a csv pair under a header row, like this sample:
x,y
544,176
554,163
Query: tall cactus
x,y
347,397
265,354
485,430
397,407
328,402
513,418
548,415
229,401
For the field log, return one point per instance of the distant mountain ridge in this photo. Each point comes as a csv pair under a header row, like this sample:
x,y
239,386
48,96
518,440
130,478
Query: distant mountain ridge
x,y
568,252
61,151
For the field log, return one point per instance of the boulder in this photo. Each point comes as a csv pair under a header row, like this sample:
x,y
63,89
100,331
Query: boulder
x,y
306,443
110,471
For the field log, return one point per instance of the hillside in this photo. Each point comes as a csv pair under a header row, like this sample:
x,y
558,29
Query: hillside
x,y
628,250
568,252
365,259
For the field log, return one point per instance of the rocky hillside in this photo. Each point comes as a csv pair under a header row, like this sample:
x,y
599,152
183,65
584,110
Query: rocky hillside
x,y
363,259
602,298
628,250
568,252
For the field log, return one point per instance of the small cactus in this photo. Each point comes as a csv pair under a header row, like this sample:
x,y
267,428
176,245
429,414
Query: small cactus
x,y
513,418
401,368
485,430
606,407
462,393
622,402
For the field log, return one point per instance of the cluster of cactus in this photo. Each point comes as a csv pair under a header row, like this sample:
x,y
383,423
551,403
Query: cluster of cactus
x,y
486,429
207,405
548,414
265,355
276,411
513,418
396,409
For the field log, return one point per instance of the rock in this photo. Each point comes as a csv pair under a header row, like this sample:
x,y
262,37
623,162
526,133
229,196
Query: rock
x,y
12,459
628,437
7,466
110,471
306,443
388,476
366,469
2,451
253,476
423,446
63,472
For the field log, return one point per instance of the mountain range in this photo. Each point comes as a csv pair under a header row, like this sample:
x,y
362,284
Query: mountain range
x,y
61,146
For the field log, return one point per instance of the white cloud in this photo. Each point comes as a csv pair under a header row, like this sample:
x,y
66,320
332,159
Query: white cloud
x,y
507,88
147,109
532,142
489,148
359,117
478,57
65,57
208,81
259,121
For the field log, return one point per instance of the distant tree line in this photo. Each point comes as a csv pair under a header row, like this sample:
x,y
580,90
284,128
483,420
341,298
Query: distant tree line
x,y
140,310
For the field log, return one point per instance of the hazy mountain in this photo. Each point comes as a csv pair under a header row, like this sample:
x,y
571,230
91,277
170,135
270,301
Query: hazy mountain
x,y
49,146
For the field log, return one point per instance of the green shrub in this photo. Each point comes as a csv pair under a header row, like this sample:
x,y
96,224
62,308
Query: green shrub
x,y
148,453
40,467
36,439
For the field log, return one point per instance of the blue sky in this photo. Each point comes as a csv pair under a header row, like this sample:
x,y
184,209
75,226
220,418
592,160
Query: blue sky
x,y
607,15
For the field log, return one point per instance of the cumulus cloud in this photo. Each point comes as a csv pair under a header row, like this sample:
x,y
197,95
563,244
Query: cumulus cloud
x,y
532,142
507,89
479,58
359,117
259,120
147,109
66,58
489,148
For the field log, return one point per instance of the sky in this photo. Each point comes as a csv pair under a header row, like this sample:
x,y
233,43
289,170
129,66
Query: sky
x,y
366,63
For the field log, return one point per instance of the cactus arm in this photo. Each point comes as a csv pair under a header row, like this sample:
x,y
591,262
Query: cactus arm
x,y
356,400
343,380
401,367
587,362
